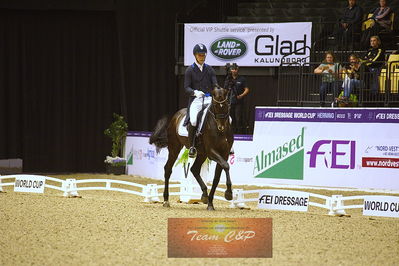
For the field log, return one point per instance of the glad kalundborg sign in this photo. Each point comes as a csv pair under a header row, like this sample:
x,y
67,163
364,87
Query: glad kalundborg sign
x,y
357,148
249,44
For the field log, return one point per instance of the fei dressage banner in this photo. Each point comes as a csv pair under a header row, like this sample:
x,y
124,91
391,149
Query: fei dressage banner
x,y
249,44
356,148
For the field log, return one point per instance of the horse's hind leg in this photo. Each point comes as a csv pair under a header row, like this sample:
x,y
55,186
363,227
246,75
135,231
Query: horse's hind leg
x,y
196,170
172,156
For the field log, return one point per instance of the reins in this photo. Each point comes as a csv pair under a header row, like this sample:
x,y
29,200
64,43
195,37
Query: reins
x,y
219,116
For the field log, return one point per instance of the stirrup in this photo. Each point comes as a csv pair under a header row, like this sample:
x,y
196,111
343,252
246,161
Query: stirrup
x,y
192,153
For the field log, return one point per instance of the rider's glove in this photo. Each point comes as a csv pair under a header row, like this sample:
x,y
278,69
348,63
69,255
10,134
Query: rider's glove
x,y
198,93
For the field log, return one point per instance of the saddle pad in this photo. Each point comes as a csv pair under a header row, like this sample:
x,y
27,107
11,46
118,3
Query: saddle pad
x,y
182,130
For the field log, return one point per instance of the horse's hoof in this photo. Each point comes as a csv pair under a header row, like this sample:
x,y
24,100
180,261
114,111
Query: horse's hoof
x,y
210,208
228,195
204,199
166,204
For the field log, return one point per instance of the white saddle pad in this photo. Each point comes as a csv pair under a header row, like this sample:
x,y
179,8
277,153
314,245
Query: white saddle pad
x,y
182,130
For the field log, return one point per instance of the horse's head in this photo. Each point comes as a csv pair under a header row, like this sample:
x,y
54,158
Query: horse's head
x,y
220,107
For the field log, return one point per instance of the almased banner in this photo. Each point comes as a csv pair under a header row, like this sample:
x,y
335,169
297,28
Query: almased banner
x,y
356,148
249,44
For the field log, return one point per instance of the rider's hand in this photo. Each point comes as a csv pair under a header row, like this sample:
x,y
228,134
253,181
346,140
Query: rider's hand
x,y
198,93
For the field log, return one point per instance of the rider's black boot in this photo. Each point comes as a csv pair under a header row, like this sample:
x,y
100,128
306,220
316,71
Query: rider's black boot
x,y
192,153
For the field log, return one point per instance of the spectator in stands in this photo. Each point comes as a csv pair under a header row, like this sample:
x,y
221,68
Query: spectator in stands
x,y
353,74
374,60
349,23
239,90
381,20
329,70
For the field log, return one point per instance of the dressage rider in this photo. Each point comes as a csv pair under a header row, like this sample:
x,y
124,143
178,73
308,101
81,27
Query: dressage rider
x,y
199,80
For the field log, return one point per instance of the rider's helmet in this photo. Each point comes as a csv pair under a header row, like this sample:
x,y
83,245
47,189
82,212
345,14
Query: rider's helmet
x,y
200,49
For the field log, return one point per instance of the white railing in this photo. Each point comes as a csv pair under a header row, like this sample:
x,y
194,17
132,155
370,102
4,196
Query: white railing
x,y
150,192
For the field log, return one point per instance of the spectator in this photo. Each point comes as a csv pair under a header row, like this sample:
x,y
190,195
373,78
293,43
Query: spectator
x,y
374,60
352,80
330,77
381,20
239,90
348,24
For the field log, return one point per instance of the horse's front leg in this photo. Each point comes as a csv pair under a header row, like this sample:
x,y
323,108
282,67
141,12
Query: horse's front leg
x,y
228,194
196,170
215,183
222,162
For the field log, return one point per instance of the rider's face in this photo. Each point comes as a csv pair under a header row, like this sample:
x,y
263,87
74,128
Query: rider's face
x,y
200,58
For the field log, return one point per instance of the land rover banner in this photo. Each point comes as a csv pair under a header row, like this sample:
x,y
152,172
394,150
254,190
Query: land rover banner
x,y
249,44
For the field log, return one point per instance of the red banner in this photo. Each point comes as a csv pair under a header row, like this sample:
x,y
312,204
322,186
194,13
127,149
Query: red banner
x,y
380,162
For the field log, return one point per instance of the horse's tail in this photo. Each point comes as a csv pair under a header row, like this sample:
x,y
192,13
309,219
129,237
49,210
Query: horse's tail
x,y
160,137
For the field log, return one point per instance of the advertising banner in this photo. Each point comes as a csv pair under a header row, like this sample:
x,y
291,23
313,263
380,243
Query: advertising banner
x,y
143,160
220,238
385,206
287,200
356,148
249,44
29,183
326,147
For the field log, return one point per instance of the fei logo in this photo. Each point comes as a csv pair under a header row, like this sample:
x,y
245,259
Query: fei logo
x,y
338,154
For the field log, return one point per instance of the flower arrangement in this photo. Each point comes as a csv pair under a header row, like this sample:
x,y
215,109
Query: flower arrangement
x,y
115,161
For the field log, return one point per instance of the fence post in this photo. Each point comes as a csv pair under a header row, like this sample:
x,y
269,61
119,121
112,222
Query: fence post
x,y
70,188
151,193
238,198
336,203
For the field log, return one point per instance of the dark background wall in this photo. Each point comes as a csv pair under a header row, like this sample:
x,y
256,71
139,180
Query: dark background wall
x,y
66,66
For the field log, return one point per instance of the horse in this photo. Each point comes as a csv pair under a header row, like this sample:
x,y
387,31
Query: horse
x,y
214,142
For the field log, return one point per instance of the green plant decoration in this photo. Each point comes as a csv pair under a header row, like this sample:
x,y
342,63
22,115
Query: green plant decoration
x,y
117,131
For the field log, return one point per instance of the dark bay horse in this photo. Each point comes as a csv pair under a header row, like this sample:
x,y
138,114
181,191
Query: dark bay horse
x,y
214,143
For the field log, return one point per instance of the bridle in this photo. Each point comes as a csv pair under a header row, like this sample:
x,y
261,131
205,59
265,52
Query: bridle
x,y
218,117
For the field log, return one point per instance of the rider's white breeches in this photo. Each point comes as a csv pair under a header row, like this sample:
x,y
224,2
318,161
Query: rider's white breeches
x,y
196,106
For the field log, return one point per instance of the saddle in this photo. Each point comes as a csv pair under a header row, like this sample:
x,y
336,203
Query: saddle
x,y
182,128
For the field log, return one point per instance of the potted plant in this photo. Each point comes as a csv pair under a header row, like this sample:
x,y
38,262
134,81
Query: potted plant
x,y
117,131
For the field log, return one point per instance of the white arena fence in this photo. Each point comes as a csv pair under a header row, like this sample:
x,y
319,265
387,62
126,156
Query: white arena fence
x,y
151,192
